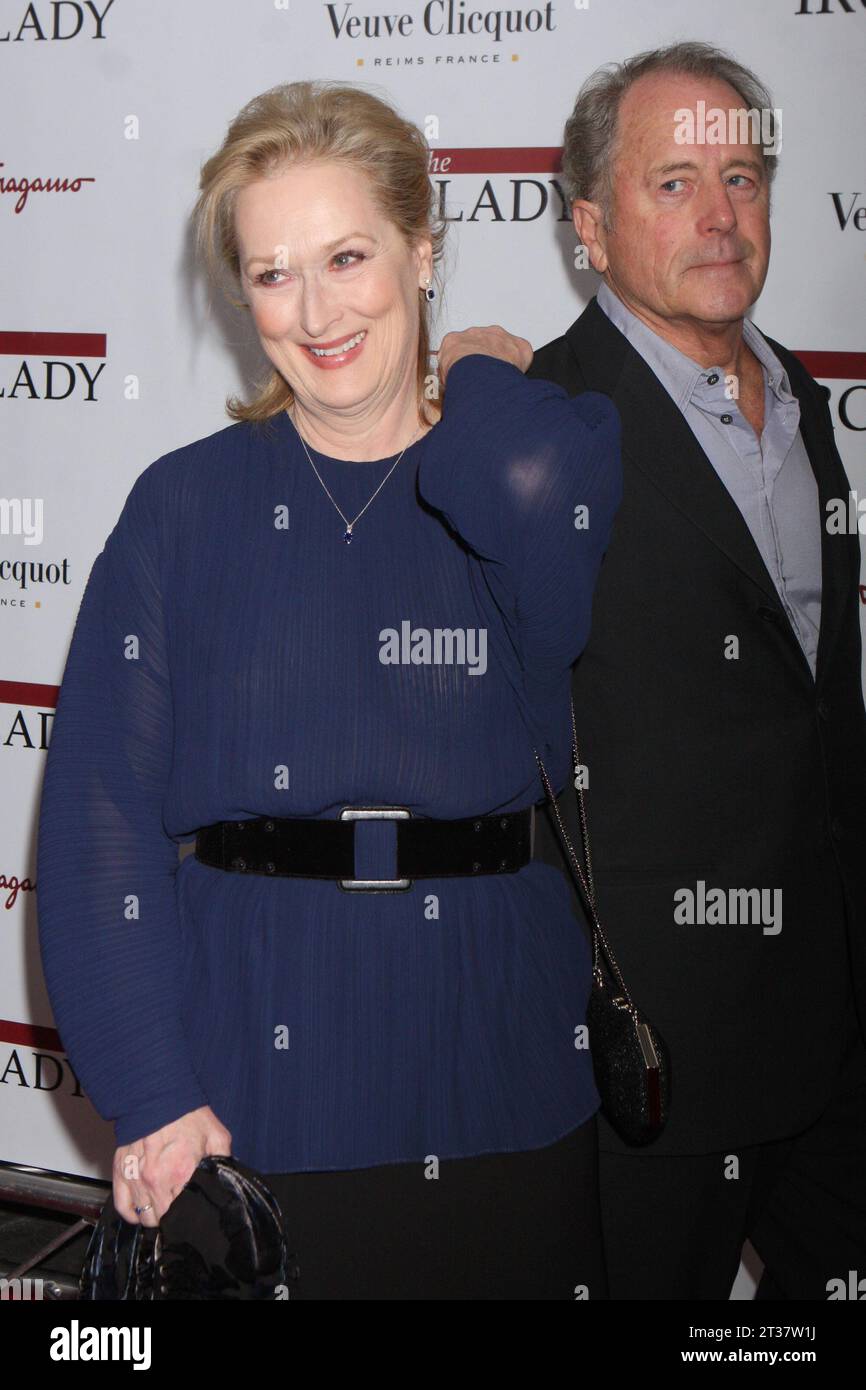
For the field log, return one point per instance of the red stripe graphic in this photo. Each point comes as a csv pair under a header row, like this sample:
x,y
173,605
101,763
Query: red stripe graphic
x,y
52,344
834,366
842,366
28,693
529,159
30,1035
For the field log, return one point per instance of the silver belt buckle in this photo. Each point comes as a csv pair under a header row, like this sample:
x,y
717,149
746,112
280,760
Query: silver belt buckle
x,y
379,885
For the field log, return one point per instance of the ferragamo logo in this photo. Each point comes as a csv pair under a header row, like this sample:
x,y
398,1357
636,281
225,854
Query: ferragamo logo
x,y
14,886
24,186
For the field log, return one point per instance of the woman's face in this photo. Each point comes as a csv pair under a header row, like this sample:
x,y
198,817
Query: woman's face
x,y
322,268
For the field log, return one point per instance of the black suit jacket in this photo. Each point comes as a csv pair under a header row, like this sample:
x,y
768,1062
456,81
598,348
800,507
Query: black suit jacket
x,y
739,773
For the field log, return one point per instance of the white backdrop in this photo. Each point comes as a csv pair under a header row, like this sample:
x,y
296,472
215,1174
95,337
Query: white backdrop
x,y
113,351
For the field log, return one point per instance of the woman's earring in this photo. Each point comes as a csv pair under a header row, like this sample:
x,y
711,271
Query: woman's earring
x,y
430,292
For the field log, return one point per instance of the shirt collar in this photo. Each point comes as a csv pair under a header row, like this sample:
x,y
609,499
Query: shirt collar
x,y
684,379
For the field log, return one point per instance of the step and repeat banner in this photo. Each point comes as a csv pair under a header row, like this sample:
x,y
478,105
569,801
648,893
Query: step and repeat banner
x,y
113,350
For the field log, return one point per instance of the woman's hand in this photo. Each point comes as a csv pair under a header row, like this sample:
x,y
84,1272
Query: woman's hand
x,y
154,1169
492,342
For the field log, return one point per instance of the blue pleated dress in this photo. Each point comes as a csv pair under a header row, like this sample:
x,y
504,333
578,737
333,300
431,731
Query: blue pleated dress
x,y
232,658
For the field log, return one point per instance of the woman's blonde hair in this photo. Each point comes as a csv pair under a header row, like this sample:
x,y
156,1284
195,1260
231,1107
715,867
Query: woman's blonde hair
x,y
303,122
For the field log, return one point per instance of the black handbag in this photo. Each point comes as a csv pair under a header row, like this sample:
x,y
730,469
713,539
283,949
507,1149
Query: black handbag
x,y
630,1059
223,1237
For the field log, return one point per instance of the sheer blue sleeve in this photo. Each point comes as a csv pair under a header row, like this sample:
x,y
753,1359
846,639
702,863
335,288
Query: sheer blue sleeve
x,y
107,913
530,478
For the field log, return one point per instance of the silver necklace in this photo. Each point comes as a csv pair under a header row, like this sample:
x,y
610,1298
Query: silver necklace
x,y
347,534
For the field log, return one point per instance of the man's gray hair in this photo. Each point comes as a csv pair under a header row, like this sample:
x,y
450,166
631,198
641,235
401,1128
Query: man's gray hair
x,y
589,144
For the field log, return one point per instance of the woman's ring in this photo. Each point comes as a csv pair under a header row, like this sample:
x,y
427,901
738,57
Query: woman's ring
x,y
139,1210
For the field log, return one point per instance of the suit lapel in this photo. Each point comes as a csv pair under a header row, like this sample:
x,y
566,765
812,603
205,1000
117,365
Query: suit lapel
x,y
836,570
659,442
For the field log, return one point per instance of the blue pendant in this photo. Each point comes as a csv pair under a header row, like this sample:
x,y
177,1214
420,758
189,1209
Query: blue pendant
x,y
347,535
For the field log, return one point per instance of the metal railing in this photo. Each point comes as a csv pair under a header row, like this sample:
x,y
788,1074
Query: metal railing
x,y
48,1191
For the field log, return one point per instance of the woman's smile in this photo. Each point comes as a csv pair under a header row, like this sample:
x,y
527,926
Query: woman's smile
x,y
338,353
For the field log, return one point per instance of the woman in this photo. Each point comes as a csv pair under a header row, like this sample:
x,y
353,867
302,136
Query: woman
x,y
347,601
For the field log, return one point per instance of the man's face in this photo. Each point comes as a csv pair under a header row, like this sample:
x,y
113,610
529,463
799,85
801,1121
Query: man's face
x,y
691,231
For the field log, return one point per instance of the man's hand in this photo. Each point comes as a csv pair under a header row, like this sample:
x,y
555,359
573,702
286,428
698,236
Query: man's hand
x,y
154,1169
492,342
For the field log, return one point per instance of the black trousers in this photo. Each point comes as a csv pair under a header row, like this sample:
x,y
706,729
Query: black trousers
x,y
495,1226
674,1226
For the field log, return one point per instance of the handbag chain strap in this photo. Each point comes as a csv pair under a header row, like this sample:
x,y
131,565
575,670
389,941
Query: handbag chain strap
x,y
587,884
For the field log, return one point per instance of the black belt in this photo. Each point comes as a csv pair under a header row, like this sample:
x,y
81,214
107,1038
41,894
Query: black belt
x,y
295,847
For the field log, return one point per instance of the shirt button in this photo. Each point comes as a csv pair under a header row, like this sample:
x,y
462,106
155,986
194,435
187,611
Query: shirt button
x,y
726,419
712,378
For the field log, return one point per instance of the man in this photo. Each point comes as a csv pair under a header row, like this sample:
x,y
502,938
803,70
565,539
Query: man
x,y
719,706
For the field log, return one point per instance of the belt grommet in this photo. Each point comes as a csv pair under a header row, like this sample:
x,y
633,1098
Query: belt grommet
x,y
270,867
503,825
478,825
239,863
269,825
475,868
503,863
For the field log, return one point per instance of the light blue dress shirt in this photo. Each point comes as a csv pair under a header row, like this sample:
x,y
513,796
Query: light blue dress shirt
x,y
770,480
